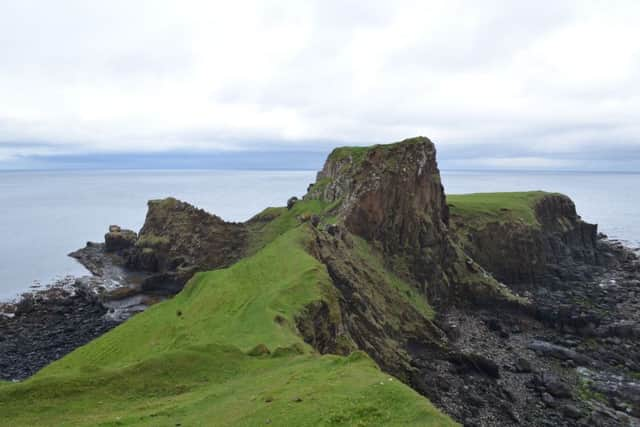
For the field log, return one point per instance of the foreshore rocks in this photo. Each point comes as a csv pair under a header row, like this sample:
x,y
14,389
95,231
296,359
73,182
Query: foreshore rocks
x,y
48,324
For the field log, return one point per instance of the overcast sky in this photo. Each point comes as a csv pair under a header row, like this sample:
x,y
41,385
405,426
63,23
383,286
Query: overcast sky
x,y
495,84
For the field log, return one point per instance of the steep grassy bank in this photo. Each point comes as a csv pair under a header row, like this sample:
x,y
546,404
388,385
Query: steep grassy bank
x,y
224,351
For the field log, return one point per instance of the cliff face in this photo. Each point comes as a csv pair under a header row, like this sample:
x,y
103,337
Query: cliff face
x,y
557,244
567,238
178,239
391,195
381,314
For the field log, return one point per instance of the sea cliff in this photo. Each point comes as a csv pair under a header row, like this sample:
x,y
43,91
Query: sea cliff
x,y
375,299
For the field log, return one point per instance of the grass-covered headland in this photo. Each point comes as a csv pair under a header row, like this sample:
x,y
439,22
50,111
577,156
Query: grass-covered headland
x,y
297,316
222,352
480,208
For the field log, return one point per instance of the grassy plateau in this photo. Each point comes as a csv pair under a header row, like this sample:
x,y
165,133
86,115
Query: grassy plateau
x,y
481,208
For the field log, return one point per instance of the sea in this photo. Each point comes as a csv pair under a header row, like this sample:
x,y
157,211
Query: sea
x,y
44,215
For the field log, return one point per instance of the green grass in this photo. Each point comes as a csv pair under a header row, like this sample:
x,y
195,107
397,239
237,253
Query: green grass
x,y
185,361
281,220
481,208
357,154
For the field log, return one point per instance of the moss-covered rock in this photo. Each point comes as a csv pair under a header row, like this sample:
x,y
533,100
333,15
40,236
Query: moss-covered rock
x,y
117,239
178,239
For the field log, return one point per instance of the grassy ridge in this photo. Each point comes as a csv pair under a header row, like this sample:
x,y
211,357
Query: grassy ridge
x,y
496,207
279,220
185,361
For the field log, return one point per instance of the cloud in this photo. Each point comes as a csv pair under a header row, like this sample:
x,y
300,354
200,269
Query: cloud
x,y
551,84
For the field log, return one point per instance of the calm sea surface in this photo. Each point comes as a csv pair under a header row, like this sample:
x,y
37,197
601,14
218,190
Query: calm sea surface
x,y
46,214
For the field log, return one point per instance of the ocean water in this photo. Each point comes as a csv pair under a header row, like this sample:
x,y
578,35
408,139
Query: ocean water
x,y
46,214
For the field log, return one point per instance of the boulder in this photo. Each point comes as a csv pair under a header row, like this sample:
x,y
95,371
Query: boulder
x,y
291,202
558,352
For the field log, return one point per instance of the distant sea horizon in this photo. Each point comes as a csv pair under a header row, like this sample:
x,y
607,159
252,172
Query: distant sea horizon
x,y
47,213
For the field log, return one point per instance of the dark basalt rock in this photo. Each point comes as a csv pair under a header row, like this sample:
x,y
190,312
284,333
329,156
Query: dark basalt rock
x,y
559,352
476,363
117,239
292,201
391,196
177,236
47,325
561,246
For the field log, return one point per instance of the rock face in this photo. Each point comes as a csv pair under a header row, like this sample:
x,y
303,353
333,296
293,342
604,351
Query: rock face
x,y
117,239
178,237
178,240
375,317
557,246
392,195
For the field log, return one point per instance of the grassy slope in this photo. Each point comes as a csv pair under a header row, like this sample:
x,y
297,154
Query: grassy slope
x,y
185,361
280,220
481,208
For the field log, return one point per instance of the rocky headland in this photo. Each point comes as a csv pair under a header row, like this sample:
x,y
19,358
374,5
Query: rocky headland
x,y
501,309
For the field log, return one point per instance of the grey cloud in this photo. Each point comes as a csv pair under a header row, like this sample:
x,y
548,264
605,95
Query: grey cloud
x,y
486,80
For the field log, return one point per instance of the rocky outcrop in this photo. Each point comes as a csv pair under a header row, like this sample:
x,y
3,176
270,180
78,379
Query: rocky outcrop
x,y
391,195
176,241
566,237
558,245
117,239
180,239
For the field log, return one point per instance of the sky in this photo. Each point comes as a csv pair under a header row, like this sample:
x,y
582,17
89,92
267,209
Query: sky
x,y
495,84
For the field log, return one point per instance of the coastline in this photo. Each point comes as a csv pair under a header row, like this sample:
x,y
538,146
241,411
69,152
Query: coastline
x,y
571,352
542,357
45,324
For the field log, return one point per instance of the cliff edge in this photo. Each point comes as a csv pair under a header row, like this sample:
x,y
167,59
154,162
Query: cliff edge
x,y
526,239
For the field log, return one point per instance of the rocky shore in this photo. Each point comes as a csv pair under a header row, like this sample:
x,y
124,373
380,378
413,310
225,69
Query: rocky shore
x,y
576,362
47,324
44,325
